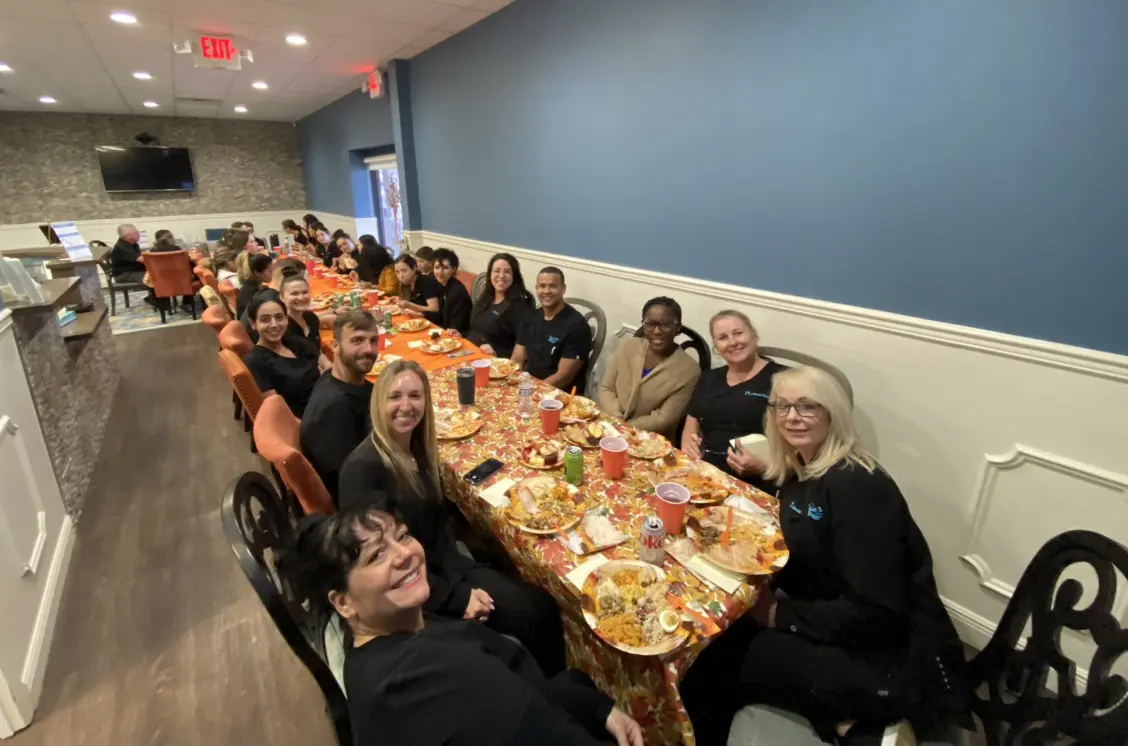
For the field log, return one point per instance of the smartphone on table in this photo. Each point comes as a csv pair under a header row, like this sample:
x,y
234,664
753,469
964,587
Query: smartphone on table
x,y
483,471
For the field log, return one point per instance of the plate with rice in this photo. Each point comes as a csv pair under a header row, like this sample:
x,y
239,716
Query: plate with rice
x,y
624,602
738,541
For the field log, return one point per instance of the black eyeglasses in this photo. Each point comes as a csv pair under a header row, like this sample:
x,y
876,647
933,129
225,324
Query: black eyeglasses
x,y
666,326
805,409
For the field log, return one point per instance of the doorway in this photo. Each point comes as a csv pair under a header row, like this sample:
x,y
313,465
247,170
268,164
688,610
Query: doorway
x,y
383,171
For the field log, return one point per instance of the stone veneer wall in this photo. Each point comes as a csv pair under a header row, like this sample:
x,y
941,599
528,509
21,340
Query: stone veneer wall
x,y
73,385
50,169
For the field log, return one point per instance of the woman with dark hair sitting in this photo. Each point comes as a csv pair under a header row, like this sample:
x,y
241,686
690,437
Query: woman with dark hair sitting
x,y
419,293
294,232
376,266
255,273
414,679
276,367
651,378
402,454
500,307
324,245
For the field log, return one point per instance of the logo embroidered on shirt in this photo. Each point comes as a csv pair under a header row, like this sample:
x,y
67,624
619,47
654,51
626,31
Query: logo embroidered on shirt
x,y
756,394
796,508
814,512
553,340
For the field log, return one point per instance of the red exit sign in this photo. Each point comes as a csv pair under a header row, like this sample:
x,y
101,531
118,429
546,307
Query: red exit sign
x,y
217,48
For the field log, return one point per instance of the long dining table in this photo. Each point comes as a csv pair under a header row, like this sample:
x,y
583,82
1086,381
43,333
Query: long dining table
x,y
646,687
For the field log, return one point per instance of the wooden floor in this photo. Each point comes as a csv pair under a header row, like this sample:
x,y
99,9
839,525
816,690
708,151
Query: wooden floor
x,y
160,639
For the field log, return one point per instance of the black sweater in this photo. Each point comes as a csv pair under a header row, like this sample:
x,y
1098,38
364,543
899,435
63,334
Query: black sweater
x,y
497,325
365,472
454,307
461,684
860,577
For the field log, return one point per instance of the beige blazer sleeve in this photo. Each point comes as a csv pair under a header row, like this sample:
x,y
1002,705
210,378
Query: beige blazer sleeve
x,y
608,396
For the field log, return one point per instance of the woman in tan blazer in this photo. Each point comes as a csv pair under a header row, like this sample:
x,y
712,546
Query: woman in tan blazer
x,y
650,380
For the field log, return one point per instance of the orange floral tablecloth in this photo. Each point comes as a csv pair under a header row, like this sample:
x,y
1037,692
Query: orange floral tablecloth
x,y
645,687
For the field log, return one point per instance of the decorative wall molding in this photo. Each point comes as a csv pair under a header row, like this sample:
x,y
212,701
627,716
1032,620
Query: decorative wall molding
x,y
29,564
35,662
1019,456
1066,357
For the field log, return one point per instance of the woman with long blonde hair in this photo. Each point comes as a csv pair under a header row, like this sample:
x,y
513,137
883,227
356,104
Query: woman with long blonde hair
x,y
401,457
854,636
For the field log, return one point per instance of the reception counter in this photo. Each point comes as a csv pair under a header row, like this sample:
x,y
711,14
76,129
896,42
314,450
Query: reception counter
x,y
72,372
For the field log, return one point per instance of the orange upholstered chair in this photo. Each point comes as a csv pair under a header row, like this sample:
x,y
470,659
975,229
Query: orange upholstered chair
x,y
234,337
207,277
277,439
243,383
228,291
171,275
217,318
467,279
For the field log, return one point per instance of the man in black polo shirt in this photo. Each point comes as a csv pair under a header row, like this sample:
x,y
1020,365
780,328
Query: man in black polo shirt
x,y
125,256
454,301
337,416
554,341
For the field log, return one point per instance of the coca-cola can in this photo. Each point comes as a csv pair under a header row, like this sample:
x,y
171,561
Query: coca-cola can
x,y
652,541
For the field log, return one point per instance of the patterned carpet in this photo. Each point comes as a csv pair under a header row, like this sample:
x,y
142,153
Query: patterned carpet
x,y
141,317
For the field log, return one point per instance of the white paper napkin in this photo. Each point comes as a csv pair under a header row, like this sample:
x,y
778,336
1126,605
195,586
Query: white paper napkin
x,y
745,505
415,344
580,572
686,554
495,495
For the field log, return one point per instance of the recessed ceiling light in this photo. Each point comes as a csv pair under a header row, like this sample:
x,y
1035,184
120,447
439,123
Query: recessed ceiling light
x,y
4,68
150,104
295,40
240,109
122,17
142,75
260,85
47,100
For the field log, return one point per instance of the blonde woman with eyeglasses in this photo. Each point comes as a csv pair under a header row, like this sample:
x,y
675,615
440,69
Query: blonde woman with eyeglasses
x,y
854,636
401,458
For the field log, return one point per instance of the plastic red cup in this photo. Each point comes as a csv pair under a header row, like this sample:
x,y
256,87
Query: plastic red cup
x,y
309,266
550,414
614,452
373,297
482,374
382,340
672,500
332,280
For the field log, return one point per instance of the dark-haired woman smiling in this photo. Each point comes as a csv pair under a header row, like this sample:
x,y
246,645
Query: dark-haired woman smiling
x,y
420,293
418,680
650,380
275,367
502,304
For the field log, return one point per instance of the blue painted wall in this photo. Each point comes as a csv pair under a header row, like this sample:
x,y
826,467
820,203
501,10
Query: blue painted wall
x,y
964,161
336,179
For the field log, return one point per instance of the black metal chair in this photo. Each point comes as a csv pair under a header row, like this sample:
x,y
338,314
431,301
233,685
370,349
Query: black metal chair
x,y
115,286
1012,697
1013,700
257,524
694,342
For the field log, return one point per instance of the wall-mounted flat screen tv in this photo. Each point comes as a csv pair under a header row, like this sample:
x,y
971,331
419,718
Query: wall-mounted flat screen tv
x,y
146,169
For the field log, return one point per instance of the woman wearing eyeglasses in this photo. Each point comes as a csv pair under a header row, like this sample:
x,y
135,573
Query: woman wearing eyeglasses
x,y
650,379
854,636
729,402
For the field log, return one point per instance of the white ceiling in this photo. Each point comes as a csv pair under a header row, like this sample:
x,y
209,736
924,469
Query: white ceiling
x,y
71,50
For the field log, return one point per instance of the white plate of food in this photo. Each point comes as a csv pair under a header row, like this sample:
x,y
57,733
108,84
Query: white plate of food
x,y
455,424
624,602
647,445
741,542
544,505
543,453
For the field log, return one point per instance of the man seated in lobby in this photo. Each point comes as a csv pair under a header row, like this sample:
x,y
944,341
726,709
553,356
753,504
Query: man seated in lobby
x,y
337,416
125,258
454,302
554,341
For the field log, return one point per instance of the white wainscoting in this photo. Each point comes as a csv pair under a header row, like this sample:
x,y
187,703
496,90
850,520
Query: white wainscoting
x,y
998,442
